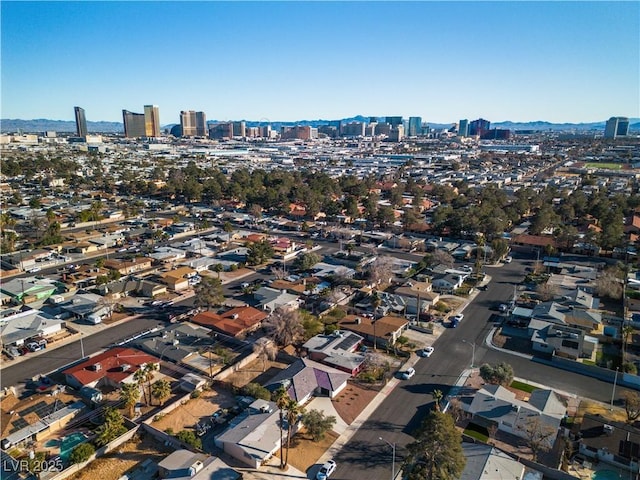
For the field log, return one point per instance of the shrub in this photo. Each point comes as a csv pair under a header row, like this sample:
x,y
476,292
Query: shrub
x,y
196,394
190,438
81,453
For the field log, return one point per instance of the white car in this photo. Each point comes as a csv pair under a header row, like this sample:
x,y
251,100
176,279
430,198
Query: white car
x,y
458,317
409,373
426,352
503,307
509,259
326,470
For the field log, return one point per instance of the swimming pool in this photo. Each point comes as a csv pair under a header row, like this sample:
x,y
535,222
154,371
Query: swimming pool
x,y
605,475
67,443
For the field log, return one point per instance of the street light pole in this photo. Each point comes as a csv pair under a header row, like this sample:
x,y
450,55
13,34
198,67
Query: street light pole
x,y
393,461
473,352
613,391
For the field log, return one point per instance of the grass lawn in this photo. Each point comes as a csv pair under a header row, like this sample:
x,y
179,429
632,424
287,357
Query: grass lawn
x,y
525,387
477,432
609,166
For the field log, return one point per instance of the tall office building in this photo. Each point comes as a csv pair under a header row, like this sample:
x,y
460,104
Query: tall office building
x,y
194,124
134,124
479,127
463,128
616,127
415,126
81,122
393,121
240,129
201,125
151,121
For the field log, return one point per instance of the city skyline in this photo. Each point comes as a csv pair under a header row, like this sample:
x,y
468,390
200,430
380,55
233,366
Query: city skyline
x,y
442,61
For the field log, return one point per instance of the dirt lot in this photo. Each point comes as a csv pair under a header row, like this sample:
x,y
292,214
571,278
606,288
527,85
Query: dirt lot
x,y
115,464
257,372
304,452
353,400
195,409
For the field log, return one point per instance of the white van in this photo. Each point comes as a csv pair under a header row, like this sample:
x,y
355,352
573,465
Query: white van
x,y
94,319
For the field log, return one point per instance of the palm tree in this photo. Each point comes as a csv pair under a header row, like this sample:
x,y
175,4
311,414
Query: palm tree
x,y
140,377
627,331
437,396
130,394
293,414
281,398
161,390
148,370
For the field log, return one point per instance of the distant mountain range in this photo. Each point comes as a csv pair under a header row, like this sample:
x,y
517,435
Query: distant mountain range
x,y
63,126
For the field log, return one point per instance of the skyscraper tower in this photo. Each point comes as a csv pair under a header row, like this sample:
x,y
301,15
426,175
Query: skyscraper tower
x,y
463,128
151,121
81,122
201,125
415,126
134,124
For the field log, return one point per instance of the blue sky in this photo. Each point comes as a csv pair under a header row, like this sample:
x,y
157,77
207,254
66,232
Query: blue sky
x,y
519,61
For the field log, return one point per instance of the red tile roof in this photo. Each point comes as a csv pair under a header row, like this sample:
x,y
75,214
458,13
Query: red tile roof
x,y
232,322
111,363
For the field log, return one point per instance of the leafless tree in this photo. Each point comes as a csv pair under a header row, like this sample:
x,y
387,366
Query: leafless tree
x,y
631,405
610,283
455,410
442,257
266,350
380,270
547,291
539,436
279,273
284,326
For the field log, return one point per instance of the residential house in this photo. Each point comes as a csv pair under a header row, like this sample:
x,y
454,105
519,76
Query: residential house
x,y
254,437
494,405
110,368
236,322
413,292
305,378
485,462
186,465
178,278
554,312
615,443
561,340
128,267
86,306
28,289
338,350
18,328
271,299
176,343
168,255
447,283
384,331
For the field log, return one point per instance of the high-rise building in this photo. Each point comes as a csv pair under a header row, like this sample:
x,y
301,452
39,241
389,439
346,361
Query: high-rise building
x,y
188,123
463,128
240,129
393,121
616,127
353,129
151,121
134,124
81,122
201,125
219,131
415,126
479,127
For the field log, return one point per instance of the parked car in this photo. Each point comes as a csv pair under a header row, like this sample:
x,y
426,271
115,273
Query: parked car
x,y
425,352
326,470
457,318
34,347
409,373
503,307
508,259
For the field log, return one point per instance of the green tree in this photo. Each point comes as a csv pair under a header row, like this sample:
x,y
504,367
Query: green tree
x,y
256,390
161,390
307,260
228,228
500,248
311,324
81,453
148,370
209,292
501,374
437,452
189,437
218,268
111,428
129,395
317,424
259,252
437,397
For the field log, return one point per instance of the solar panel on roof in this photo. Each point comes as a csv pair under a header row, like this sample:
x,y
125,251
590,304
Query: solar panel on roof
x,y
347,343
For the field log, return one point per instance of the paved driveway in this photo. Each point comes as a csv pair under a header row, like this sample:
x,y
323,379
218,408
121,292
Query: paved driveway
x,y
325,405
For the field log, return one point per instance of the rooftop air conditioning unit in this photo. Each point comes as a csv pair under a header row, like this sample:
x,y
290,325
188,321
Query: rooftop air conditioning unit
x,y
125,367
96,367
